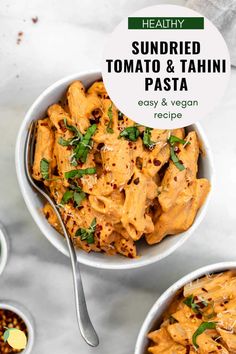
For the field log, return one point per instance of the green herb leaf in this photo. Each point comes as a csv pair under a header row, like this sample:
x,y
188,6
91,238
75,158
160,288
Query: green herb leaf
x,y
110,115
174,139
175,159
69,142
79,197
147,138
189,301
63,142
79,173
85,144
87,234
202,328
72,129
75,194
67,196
44,168
130,133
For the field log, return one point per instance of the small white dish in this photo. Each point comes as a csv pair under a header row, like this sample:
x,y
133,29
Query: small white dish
x,y
148,254
26,317
4,248
155,314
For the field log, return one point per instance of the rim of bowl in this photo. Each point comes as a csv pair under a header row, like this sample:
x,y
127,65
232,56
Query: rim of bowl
x,y
170,292
26,317
130,264
4,248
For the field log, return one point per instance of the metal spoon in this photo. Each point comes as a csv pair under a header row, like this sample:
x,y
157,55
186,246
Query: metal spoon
x,y
86,328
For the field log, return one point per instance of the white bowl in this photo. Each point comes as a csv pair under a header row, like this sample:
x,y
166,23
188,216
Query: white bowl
x,y
149,254
154,316
4,248
26,317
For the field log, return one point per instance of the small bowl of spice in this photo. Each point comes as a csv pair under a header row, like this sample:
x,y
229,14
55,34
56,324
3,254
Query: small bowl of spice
x,y
4,247
16,329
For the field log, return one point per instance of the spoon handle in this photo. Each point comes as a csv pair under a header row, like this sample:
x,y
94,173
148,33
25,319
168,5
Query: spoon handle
x,y
85,325
86,328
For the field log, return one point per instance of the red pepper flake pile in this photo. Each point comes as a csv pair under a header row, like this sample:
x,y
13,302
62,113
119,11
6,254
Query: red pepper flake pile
x,y
9,319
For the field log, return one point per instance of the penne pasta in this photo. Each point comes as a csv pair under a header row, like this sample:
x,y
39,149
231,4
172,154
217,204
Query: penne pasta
x,y
114,181
201,318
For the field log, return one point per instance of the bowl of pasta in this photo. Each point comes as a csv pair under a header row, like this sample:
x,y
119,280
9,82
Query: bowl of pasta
x,y
129,195
195,315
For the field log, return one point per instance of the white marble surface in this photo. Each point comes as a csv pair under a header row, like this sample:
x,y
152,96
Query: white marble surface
x,y
69,37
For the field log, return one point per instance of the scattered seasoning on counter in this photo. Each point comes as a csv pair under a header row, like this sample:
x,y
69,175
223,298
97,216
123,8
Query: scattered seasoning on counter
x,y
19,37
35,19
9,319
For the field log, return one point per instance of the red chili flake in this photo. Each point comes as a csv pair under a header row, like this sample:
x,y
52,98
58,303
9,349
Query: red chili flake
x,y
219,347
35,19
199,316
203,289
100,146
114,186
187,349
136,181
130,255
175,178
157,162
113,164
201,304
177,149
61,124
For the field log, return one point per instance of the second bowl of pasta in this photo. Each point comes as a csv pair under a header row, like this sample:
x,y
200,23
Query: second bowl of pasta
x,y
195,315
128,194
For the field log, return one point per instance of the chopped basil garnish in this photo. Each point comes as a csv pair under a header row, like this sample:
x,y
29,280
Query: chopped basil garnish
x,y
202,328
44,168
175,159
130,133
79,173
81,143
69,142
174,139
72,128
87,234
85,144
147,138
110,116
189,301
77,196
67,196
